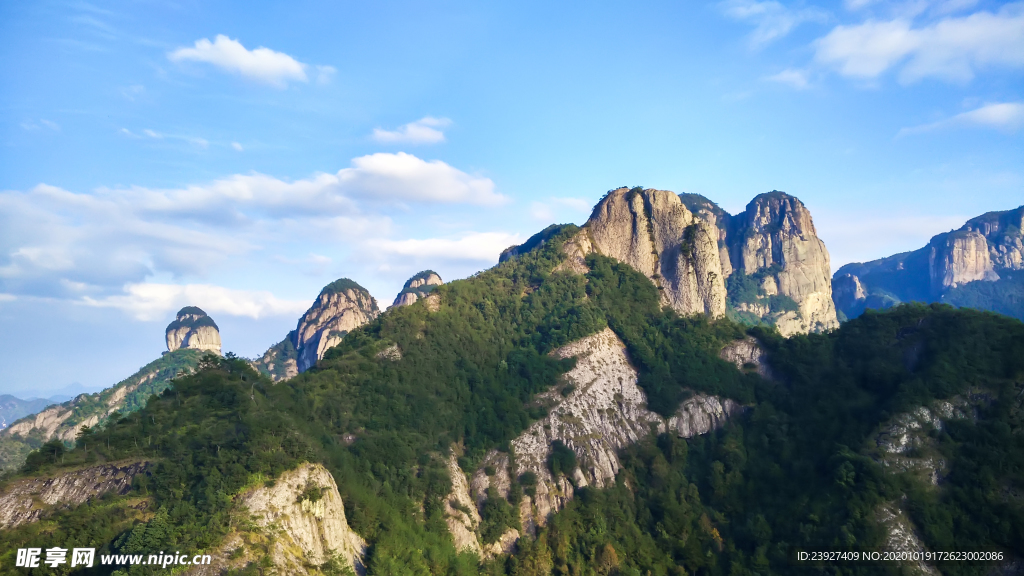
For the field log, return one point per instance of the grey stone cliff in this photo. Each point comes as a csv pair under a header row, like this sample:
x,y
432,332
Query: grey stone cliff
x,y
301,533
193,328
604,411
417,287
653,232
775,239
342,306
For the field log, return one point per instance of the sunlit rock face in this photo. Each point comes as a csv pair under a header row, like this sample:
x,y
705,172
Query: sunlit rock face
x,y
193,328
654,233
775,240
417,287
304,512
598,411
689,248
341,307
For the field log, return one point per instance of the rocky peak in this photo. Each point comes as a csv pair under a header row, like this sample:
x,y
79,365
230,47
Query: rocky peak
x,y
418,287
193,328
775,242
341,307
652,231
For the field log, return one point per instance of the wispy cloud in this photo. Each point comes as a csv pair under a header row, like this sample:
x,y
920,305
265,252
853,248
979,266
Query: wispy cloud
x,y
41,123
952,48
67,245
772,20
1005,116
154,135
426,130
153,301
791,77
260,64
479,246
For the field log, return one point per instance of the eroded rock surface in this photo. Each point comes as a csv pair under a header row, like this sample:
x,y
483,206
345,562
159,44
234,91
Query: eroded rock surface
x,y
902,536
603,410
775,239
341,307
29,499
302,520
193,328
653,232
417,287
747,353
461,511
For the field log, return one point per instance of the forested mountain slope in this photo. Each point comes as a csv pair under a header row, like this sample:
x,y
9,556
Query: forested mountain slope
x,y
806,466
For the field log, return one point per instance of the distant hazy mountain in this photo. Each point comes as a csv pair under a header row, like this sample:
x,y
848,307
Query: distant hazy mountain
x,y
981,265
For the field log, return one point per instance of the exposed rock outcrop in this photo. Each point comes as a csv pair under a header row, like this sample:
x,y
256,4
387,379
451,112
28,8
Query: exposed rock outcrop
x,y
304,516
775,242
603,411
193,328
902,536
460,511
29,499
958,258
747,354
341,307
989,248
653,232
419,286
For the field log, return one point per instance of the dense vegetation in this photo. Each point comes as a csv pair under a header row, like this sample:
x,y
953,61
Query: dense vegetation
x,y
796,472
1005,296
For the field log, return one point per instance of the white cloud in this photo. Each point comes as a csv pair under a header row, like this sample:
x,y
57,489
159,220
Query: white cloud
x,y
952,48
8,297
237,146
261,64
405,177
1006,116
482,246
60,244
150,301
423,131
772,19
794,78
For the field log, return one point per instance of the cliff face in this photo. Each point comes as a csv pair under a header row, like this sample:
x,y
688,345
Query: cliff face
x,y
654,233
605,410
775,242
341,307
986,249
28,500
419,286
689,247
193,328
299,523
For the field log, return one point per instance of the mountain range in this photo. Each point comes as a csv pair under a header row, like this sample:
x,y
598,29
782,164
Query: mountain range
x,y
664,390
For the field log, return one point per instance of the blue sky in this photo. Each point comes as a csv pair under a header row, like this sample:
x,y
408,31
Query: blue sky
x,y
239,156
